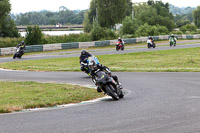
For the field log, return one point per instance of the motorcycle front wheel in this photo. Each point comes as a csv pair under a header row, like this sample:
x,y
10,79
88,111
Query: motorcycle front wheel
x,y
14,56
117,48
111,92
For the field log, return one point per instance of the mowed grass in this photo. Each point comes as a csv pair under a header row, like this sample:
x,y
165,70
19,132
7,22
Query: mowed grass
x,y
16,96
177,60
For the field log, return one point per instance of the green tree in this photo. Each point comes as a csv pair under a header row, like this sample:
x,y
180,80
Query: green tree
x,y
9,28
87,26
129,25
111,12
196,16
155,13
33,35
188,27
99,32
181,23
7,25
4,10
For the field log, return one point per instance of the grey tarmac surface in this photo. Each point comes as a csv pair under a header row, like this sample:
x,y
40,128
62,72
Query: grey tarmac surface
x,y
154,103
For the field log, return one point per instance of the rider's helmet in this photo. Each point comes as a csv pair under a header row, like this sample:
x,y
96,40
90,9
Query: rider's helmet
x,y
22,42
172,35
92,65
150,37
119,38
83,52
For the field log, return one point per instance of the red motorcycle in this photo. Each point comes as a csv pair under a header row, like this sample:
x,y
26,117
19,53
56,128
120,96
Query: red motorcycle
x,y
119,46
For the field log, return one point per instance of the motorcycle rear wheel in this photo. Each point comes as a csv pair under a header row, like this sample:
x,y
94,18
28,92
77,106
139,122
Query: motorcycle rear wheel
x,y
122,48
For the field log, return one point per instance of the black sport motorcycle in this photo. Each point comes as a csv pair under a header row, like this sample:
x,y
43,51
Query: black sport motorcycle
x,y
18,53
108,85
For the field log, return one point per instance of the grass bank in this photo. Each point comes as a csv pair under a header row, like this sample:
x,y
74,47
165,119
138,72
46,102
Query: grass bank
x,y
16,96
177,60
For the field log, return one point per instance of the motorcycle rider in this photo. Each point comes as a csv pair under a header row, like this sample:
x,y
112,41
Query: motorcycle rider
x,y
173,37
151,39
120,40
22,46
99,67
83,59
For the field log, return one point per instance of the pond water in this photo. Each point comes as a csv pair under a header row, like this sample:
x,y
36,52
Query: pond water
x,y
55,33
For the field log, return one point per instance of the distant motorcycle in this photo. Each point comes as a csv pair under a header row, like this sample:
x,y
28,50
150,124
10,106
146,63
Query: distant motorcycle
x,y
172,42
119,46
18,53
108,85
150,44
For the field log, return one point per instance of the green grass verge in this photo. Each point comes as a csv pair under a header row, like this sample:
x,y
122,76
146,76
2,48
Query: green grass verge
x,y
177,60
16,96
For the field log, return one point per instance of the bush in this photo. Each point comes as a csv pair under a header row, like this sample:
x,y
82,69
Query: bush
x,y
33,36
129,26
188,27
83,37
99,33
177,32
148,30
9,42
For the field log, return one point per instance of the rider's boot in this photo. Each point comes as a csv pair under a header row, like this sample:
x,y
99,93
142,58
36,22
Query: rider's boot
x,y
99,90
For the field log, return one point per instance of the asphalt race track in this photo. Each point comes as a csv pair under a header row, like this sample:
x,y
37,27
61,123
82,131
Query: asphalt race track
x,y
153,103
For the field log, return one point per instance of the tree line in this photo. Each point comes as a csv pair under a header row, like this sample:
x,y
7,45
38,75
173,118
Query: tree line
x,y
137,19
64,16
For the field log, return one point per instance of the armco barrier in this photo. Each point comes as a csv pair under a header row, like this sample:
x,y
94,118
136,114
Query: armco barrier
x,y
75,45
106,43
34,48
141,39
59,46
189,37
66,45
98,43
8,51
163,37
113,42
126,41
156,38
51,47
85,44
132,40
37,48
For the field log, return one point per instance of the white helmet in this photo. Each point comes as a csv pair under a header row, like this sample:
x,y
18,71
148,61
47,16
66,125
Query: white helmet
x,y
92,64
119,38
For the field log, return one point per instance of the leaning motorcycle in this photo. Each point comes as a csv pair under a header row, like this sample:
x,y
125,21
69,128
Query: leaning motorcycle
x,y
172,42
150,44
108,85
18,53
119,46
